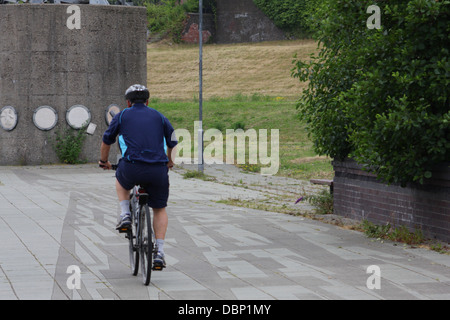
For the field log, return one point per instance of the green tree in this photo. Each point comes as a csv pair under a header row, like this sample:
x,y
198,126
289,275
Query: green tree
x,y
289,15
380,96
167,17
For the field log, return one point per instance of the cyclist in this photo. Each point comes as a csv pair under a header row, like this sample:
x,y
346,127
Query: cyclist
x,y
143,135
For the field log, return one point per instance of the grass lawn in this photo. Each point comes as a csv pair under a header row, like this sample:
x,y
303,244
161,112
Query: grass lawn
x,y
246,86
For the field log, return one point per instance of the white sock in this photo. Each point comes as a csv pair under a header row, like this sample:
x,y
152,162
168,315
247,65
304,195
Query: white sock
x,y
124,207
160,244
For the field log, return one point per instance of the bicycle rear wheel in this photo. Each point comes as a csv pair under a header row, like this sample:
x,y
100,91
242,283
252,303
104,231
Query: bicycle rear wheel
x,y
146,243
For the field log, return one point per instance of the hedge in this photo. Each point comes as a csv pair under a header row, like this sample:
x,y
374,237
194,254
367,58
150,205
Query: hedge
x,y
380,96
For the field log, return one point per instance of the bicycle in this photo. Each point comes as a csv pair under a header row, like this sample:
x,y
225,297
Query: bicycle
x,y
142,242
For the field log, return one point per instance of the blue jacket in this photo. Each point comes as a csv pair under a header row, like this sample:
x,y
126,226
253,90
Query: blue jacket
x,y
143,134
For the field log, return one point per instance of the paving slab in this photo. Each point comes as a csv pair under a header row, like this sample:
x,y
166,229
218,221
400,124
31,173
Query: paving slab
x,y
55,217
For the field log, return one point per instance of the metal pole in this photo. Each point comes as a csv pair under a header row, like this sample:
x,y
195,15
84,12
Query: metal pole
x,y
200,97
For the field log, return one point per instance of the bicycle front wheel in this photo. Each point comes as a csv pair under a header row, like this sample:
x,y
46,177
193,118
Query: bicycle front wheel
x,y
133,249
146,244
131,235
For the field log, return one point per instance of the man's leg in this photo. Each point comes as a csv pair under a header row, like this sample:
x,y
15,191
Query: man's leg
x,y
160,223
124,201
158,202
122,193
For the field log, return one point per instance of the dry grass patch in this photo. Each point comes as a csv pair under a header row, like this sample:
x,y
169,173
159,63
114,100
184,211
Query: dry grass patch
x,y
228,70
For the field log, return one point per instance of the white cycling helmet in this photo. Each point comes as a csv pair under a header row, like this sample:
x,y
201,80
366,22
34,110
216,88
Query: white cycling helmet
x,y
137,93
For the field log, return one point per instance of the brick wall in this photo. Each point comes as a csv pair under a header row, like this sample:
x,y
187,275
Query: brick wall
x,y
359,195
190,33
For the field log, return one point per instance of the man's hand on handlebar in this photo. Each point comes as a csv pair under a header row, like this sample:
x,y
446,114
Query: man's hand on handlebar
x,y
105,165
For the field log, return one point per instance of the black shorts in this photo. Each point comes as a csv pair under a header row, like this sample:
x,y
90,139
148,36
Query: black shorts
x,y
153,177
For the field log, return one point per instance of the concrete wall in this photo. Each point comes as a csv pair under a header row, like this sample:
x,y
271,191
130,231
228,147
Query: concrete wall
x,y
43,62
359,195
242,21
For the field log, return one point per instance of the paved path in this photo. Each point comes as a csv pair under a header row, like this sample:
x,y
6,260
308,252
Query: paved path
x,y
53,217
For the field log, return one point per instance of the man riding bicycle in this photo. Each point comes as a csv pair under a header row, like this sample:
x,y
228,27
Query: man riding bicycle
x,y
143,134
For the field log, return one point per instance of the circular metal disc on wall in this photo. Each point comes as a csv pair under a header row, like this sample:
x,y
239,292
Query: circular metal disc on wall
x,y
45,118
78,116
8,118
111,111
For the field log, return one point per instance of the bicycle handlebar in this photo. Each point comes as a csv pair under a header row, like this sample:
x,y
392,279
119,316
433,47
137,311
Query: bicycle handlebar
x,y
113,166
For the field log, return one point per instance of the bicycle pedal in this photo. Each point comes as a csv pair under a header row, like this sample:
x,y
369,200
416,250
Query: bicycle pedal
x,y
158,268
123,230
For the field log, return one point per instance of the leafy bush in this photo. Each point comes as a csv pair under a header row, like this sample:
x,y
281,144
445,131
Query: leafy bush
x,y
399,234
209,6
375,231
167,17
68,144
380,96
288,15
322,201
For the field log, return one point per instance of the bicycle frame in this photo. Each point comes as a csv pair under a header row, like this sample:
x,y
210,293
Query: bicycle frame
x,y
144,245
141,247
